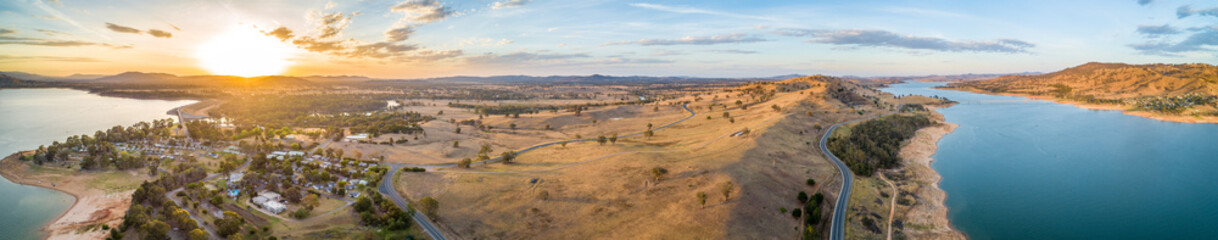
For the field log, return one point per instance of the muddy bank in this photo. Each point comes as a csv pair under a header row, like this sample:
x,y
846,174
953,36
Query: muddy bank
x,y
927,219
91,207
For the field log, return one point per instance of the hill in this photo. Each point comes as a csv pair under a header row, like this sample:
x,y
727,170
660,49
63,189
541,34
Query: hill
x,y
1154,89
164,79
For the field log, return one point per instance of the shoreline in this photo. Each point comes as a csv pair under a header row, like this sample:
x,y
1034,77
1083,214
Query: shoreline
x,y
918,156
89,206
5,171
1103,107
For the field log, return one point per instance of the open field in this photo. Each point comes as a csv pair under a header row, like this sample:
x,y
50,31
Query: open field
x,y
593,190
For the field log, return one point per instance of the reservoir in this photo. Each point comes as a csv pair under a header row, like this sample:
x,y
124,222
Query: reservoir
x,y
33,117
1018,168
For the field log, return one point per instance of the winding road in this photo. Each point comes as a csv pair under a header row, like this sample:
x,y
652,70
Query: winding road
x,y
386,186
838,230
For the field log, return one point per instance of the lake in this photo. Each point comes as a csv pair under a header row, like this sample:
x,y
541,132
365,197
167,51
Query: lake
x,y
1029,169
33,117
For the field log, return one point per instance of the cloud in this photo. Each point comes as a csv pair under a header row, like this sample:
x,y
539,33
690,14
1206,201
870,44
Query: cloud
x,y
483,42
175,27
431,55
56,43
879,38
423,11
328,24
51,32
509,4
282,33
5,31
122,29
520,57
381,50
11,58
690,40
1198,42
733,51
1186,11
1157,30
1144,2
159,33
399,34
666,52
690,10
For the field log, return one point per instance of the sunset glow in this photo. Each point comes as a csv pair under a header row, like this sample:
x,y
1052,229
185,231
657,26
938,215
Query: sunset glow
x,y
244,52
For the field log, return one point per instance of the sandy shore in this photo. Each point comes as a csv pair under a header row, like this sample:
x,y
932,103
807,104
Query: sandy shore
x,y
1114,107
929,210
92,205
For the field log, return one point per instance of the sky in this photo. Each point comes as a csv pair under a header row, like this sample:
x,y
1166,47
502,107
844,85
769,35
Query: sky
x,y
433,38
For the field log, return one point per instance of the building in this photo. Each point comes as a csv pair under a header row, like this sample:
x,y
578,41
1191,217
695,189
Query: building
x,y
356,137
269,196
274,207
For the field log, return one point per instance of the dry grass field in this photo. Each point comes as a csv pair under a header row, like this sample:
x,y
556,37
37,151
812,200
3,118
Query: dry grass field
x,y
592,190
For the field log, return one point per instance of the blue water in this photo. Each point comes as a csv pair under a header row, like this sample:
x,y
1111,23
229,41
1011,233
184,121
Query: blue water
x,y
1030,169
33,117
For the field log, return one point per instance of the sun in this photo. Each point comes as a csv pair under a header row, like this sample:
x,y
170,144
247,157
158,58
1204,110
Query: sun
x,y
245,52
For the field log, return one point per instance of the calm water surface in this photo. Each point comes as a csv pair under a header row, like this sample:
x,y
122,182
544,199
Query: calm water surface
x,y
1029,169
33,117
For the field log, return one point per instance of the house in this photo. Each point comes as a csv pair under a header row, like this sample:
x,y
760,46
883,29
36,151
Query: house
x,y
356,137
235,177
269,196
274,207
296,153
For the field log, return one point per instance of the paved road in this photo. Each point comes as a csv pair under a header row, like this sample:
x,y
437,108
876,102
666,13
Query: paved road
x,y
838,230
386,186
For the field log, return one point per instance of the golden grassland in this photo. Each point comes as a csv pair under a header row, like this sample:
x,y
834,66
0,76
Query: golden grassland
x,y
590,190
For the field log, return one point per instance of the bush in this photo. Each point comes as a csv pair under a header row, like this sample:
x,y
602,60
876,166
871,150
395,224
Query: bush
x,y
874,144
796,213
811,182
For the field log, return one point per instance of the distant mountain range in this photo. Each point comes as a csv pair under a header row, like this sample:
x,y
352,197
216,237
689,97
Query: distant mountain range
x,y
1110,81
164,79
940,78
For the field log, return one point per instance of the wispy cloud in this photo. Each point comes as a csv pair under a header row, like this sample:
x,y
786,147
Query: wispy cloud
x,y
4,31
1157,30
880,38
694,40
1144,2
1186,11
520,57
423,11
691,10
56,43
125,29
12,58
1202,40
159,33
509,4
733,51
122,29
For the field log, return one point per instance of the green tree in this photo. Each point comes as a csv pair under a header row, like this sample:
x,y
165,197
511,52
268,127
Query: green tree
x,y
508,156
613,139
464,163
601,139
726,189
702,198
363,204
811,182
512,126
429,206
456,144
197,234
156,229
229,225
